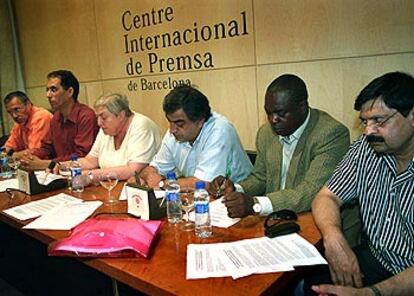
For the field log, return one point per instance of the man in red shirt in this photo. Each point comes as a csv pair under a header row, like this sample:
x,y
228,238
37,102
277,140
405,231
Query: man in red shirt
x,y
73,127
31,123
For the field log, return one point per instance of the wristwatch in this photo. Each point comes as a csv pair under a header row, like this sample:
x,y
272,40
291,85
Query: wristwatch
x,y
90,176
161,184
257,207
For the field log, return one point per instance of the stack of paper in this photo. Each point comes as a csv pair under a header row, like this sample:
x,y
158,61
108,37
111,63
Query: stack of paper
x,y
58,212
245,257
9,183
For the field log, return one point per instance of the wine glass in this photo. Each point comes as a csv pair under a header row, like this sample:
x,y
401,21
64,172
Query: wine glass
x,y
14,163
109,181
64,170
187,204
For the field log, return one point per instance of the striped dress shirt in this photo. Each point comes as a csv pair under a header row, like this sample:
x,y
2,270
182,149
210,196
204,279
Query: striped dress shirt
x,y
386,202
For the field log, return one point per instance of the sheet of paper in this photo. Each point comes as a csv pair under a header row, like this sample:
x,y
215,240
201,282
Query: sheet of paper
x,y
203,263
44,178
37,208
218,214
9,183
65,217
295,248
251,256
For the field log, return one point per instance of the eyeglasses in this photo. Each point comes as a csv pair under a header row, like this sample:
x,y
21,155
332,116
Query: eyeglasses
x,y
375,122
281,223
17,110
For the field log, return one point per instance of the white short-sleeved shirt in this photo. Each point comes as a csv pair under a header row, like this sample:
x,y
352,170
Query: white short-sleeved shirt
x,y
140,144
216,150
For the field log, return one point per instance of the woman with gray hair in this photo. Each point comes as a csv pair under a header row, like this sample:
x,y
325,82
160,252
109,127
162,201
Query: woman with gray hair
x,y
126,141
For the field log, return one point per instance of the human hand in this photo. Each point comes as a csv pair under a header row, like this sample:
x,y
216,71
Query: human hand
x,y
220,186
343,264
150,179
32,162
238,204
324,290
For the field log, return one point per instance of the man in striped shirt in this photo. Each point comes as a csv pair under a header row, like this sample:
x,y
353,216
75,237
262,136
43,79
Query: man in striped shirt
x,y
378,171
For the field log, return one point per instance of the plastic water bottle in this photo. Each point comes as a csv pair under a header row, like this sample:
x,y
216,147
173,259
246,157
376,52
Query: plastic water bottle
x,y
76,173
5,170
172,193
203,227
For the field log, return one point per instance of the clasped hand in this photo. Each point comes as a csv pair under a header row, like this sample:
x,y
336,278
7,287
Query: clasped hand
x,y
32,162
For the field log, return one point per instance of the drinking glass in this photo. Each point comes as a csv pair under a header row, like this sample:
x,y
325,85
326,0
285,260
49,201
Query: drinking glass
x,y
14,164
187,204
109,181
64,170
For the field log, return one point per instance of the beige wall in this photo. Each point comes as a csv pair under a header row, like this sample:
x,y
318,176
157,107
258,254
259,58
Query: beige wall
x,y
335,46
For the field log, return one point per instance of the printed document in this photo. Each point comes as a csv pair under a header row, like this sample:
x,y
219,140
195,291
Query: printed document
x,y
65,217
218,214
9,183
37,208
250,256
44,178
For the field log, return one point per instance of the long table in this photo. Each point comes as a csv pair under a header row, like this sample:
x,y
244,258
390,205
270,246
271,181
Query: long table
x,y
164,273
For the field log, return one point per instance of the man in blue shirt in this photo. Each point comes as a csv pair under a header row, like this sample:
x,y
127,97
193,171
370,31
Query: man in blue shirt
x,y
199,145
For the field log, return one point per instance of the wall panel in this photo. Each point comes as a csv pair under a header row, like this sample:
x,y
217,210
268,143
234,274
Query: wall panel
x,y
298,30
336,46
57,34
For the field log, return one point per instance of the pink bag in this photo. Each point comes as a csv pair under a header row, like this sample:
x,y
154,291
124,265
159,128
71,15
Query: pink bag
x,y
108,237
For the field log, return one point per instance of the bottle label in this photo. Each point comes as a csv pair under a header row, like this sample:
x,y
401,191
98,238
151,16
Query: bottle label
x,y
172,196
75,172
4,160
201,208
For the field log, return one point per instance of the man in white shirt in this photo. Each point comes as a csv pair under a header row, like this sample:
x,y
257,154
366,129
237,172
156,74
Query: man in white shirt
x,y
199,145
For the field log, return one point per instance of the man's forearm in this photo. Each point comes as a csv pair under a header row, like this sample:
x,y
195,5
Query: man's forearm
x,y
326,212
400,284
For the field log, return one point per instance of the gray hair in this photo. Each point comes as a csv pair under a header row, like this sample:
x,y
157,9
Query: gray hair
x,y
115,103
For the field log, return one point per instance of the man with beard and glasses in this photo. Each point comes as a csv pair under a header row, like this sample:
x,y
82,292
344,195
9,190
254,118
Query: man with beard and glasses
x,y
297,151
199,144
378,172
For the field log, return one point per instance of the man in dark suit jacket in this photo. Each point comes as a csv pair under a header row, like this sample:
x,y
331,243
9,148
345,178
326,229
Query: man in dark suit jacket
x,y
297,151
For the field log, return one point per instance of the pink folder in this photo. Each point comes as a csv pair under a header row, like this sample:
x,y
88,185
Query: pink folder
x,y
108,237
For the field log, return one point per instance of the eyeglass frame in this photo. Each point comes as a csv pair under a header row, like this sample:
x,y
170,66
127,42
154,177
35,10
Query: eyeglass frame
x,y
364,122
284,223
17,110
279,217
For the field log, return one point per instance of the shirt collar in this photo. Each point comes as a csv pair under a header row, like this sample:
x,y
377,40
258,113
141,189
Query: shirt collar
x,y
297,134
73,113
203,129
28,124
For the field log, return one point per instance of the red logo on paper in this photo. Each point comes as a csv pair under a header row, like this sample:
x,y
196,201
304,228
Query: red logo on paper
x,y
137,198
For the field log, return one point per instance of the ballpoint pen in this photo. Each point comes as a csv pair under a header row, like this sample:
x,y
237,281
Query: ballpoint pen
x,y
223,185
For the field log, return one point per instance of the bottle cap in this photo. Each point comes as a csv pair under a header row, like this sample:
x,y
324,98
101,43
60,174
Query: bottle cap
x,y
200,185
10,153
171,175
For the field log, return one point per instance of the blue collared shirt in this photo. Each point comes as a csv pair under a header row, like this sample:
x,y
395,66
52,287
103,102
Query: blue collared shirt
x,y
216,150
